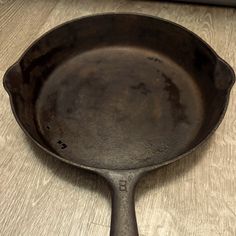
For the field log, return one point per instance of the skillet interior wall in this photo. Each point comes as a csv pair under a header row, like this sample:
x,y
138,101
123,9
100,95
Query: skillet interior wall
x,y
183,48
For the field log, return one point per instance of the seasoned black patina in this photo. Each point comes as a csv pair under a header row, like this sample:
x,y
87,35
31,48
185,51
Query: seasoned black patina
x,y
120,95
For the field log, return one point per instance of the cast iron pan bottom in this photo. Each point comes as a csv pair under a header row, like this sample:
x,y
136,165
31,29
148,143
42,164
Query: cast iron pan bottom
x,y
119,107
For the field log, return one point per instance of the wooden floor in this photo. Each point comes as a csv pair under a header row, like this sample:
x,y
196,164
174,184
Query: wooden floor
x,y
42,196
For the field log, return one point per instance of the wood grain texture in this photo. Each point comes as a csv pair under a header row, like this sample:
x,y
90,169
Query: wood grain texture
x,y
42,196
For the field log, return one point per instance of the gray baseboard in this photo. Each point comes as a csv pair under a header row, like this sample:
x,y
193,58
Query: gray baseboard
x,y
214,2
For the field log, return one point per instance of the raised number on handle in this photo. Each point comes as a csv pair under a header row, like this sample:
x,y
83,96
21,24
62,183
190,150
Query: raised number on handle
x,y
123,185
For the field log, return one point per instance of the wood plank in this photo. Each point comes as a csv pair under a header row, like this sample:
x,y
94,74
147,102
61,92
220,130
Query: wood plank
x,y
42,196
20,22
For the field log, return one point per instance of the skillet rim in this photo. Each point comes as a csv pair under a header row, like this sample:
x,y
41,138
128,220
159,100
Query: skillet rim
x,y
148,167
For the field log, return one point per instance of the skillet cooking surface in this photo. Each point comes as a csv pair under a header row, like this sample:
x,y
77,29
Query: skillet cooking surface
x,y
119,107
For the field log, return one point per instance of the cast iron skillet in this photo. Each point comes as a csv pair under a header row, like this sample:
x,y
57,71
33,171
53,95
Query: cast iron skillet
x,y
119,95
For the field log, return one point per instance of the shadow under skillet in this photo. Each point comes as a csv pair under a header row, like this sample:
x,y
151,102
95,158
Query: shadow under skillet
x,y
84,179
73,175
172,172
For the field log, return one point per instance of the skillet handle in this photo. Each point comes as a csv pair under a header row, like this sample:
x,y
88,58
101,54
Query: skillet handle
x,y
12,79
123,219
224,75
